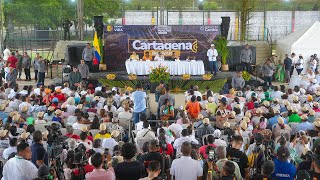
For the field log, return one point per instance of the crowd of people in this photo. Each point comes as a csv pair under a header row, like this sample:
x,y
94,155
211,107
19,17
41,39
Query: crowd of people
x,y
257,133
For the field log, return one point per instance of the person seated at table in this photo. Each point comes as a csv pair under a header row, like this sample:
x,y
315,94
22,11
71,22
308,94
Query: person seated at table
x,y
134,56
147,57
159,57
173,56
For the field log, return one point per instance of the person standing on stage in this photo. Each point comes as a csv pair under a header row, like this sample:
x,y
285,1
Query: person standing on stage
x,y
26,64
212,54
84,70
293,55
88,55
287,68
19,64
246,58
42,67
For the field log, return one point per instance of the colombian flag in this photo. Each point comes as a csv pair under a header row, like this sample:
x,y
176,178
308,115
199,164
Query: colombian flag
x,y
97,51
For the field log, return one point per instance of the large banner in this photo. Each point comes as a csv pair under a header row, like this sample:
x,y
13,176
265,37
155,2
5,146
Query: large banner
x,y
188,42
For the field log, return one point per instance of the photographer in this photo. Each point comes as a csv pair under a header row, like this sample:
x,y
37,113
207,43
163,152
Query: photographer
x,y
83,166
221,154
154,155
99,172
39,154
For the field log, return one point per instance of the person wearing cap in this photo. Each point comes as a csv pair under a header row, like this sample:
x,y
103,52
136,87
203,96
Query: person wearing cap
x,y
25,102
103,132
57,117
283,169
212,54
12,149
246,58
20,167
234,154
304,125
274,120
312,88
294,118
111,142
205,129
57,94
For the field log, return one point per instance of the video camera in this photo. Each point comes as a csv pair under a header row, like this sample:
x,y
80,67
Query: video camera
x,y
56,140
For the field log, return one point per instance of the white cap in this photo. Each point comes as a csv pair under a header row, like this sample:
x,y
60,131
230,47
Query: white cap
x,y
217,133
314,81
212,45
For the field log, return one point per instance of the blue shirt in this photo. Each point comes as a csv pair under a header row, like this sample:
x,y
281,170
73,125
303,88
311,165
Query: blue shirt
x,y
274,120
38,153
304,126
4,117
139,100
283,170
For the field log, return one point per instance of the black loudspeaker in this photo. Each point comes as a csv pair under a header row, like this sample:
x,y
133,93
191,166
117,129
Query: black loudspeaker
x,y
98,25
225,25
74,53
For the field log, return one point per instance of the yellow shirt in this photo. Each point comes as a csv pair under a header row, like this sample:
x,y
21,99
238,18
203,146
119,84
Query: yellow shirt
x,y
102,136
134,57
147,58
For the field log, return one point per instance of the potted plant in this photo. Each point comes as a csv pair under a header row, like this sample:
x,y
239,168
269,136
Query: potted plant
x,y
157,75
221,44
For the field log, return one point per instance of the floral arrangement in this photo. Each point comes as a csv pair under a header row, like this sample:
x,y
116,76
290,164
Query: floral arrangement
x,y
111,76
186,76
132,76
207,76
159,74
246,76
176,90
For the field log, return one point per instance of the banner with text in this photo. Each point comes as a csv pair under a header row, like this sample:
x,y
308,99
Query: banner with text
x,y
187,42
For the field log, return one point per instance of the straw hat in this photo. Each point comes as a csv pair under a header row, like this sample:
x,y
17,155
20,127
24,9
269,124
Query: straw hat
x,y
295,98
275,100
217,133
289,108
246,119
317,124
258,111
206,121
237,106
266,103
304,108
243,125
16,117
276,111
200,116
304,117
96,98
3,133
24,108
232,114
280,120
318,93
210,99
248,114
2,107
302,91
286,102
80,106
312,112
25,135
11,114
204,106
115,133
40,114
315,104
226,125
295,110
45,134
57,112
103,127
51,108
84,128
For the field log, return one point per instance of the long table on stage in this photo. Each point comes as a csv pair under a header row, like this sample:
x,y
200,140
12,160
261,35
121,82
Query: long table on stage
x,y
174,67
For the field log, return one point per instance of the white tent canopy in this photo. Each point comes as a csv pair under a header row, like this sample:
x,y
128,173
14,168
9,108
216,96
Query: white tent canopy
x,y
305,42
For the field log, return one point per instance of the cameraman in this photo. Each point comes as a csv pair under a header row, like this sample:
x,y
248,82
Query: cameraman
x,y
99,172
315,165
83,166
256,146
221,154
154,155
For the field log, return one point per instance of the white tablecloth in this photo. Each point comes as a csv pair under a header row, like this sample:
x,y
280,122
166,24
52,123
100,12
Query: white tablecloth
x,y
174,67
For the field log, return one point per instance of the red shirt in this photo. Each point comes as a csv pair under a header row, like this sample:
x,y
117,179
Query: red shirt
x,y
87,168
61,97
202,150
169,150
74,136
12,60
250,105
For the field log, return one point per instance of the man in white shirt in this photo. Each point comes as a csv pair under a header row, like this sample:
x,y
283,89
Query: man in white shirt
x,y
20,167
179,141
186,167
299,64
12,149
276,93
212,54
110,143
25,102
145,135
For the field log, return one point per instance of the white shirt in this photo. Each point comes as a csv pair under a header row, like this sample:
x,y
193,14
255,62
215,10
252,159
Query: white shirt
x,y
124,115
19,169
24,104
109,143
220,142
178,143
139,125
186,168
38,121
277,94
197,93
6,54
6,153
300,61
78,125
212,54
66,90
23,92
71,120
71,108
